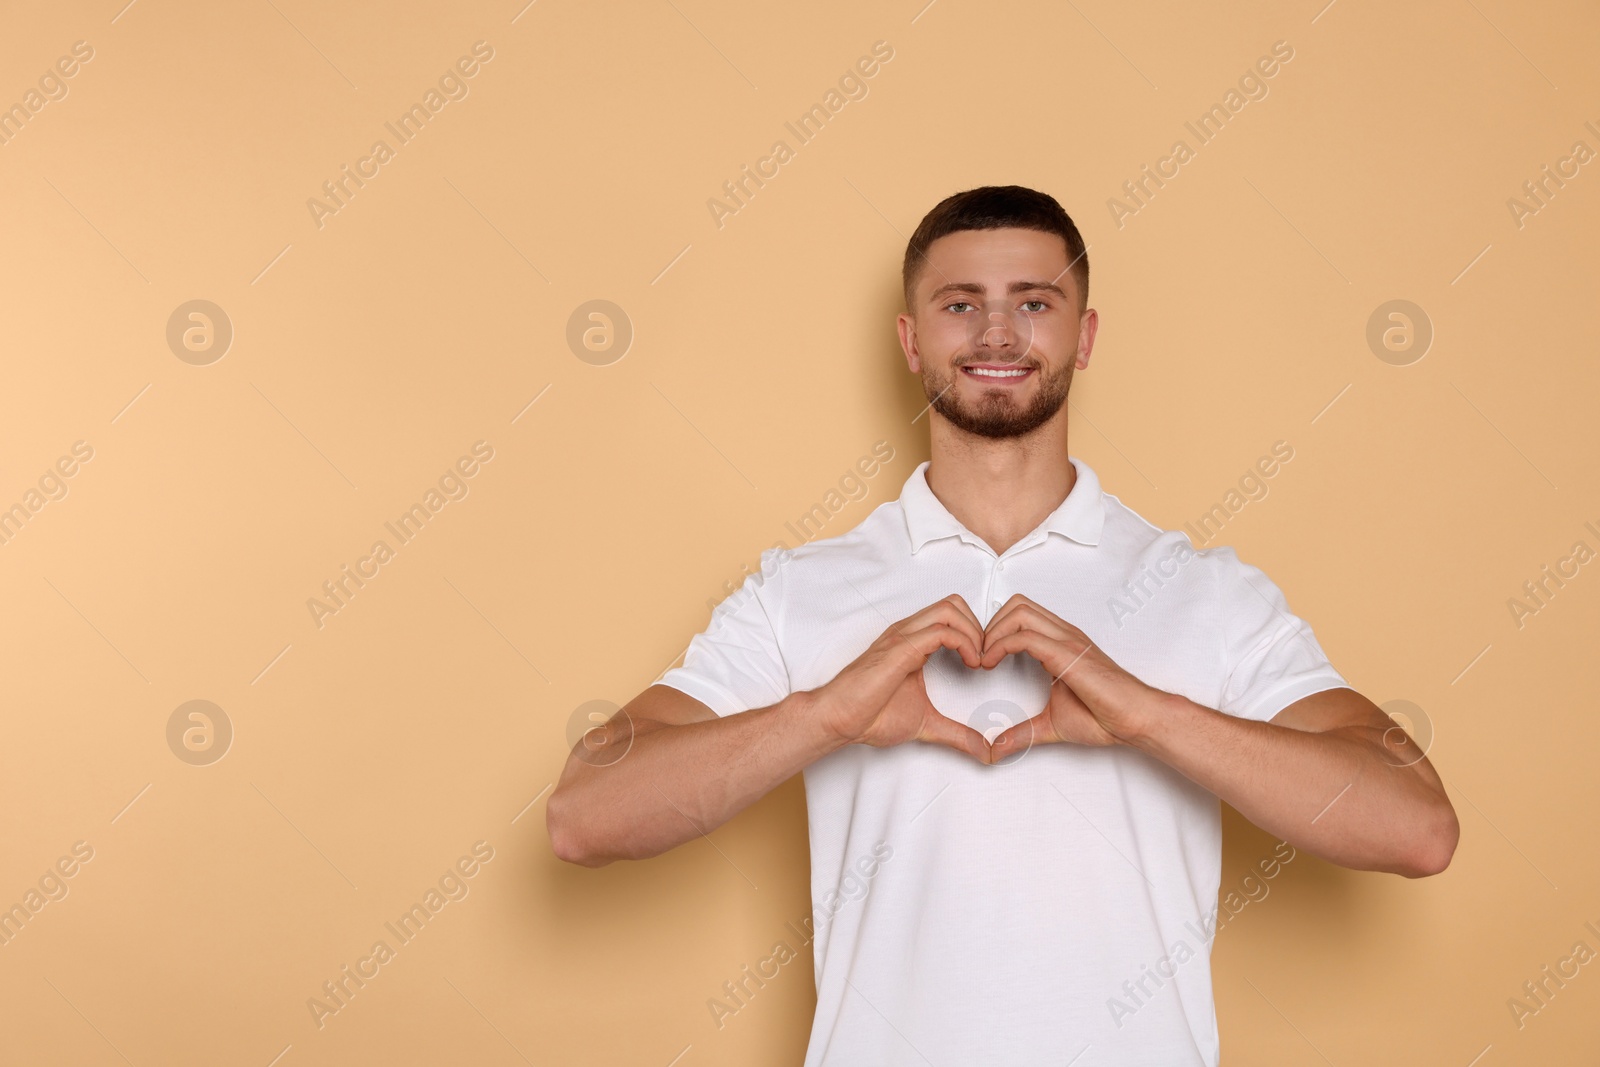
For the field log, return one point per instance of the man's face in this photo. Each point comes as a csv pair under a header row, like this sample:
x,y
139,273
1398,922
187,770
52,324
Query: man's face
x,y
996,330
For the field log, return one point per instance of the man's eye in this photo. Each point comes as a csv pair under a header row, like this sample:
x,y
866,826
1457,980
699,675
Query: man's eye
x,y
957,304
1041,303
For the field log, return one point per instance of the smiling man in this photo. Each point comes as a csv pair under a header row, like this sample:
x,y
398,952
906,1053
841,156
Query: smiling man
x,y
952,681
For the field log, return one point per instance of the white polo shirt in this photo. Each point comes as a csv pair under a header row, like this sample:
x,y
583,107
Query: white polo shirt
x,y
1058,904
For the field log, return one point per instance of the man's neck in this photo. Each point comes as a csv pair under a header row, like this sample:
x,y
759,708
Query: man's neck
x,y
1001,489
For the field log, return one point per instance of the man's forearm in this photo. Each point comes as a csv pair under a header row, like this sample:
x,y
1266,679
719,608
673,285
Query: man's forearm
x,y
679,782
1331,793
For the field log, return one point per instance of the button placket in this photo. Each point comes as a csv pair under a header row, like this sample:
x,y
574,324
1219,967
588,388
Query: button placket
x,y
998,596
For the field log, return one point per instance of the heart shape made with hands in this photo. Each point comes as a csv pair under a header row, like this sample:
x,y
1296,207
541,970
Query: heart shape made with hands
x,y
1019,698
988,699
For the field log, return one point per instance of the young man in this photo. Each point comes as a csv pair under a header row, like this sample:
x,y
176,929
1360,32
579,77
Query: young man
x,y
1052,893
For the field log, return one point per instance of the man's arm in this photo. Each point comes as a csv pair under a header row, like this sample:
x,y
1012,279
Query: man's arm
x,y
685,771
1331,774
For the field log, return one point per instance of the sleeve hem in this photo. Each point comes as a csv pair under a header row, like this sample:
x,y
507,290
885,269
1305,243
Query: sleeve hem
x,y
713,696
1264,707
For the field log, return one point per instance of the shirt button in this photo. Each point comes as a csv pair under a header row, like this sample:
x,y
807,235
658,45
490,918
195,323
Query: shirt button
x,y
999,566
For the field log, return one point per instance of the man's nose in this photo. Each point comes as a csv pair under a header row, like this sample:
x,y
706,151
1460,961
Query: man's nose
x,y
998,333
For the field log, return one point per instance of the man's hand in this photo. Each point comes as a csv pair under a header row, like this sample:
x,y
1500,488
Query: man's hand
x,y
1092,700
881,700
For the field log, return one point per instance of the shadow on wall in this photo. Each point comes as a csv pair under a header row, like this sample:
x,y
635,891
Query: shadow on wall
x,y
889,366
1322,894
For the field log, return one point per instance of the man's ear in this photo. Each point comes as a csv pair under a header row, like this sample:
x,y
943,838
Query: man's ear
x,y
906,325
1087,327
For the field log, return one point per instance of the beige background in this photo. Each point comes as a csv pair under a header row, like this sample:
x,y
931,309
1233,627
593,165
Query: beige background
x,y
432,711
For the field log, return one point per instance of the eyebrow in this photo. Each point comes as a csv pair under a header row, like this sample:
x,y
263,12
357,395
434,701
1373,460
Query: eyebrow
x,y
978,290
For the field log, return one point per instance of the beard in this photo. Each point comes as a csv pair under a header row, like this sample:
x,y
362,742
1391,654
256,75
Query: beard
x,y
994,414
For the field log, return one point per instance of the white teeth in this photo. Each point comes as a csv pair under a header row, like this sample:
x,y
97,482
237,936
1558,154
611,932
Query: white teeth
x,y
987,373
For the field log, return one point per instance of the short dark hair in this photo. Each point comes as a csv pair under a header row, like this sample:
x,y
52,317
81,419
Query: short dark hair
x,y
991,207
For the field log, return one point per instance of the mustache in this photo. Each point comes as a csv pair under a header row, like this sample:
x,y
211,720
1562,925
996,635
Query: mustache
x,y
1020,363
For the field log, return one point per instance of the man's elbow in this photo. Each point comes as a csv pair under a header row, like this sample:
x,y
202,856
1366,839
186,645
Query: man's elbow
x,y
569,849
1433,854
567,840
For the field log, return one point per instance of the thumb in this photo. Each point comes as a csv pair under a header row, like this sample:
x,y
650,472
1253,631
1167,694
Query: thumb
x,y
939,729
1024,735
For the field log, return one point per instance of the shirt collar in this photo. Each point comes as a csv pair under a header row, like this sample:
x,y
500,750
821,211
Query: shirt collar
x,y
1080,517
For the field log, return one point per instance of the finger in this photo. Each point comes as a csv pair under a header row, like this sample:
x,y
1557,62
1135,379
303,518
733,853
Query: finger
x,y
951,611
1051,653
936,611
1005,617
945,613
939,729
1032,607
961,605
1013,602
998,647
928,640
1020,606
1039,730
1027,616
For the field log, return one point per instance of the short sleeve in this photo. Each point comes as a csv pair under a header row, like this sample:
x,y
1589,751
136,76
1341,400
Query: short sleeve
x,y
735,664
1270,656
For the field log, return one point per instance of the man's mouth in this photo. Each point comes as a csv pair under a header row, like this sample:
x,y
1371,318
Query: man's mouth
x,y
997,373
